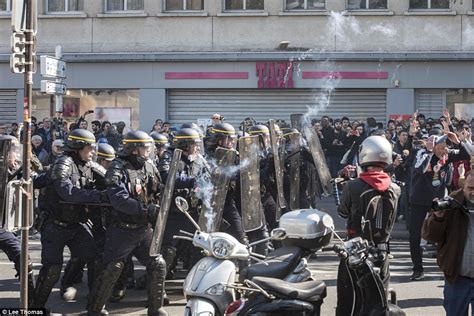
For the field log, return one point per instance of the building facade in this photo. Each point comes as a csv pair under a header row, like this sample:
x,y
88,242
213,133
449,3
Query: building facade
x,y
183,60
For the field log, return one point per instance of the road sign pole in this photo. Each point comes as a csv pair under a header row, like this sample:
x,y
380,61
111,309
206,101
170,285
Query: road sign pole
x,y
26,205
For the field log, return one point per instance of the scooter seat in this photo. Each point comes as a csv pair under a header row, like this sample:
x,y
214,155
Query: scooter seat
x,y
310,291
280,263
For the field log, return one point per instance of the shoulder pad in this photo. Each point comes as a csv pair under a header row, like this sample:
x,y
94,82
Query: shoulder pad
x,y
97,168
62,168
114,174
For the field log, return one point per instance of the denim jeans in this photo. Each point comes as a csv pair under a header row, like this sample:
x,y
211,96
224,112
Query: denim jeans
x,y
458,296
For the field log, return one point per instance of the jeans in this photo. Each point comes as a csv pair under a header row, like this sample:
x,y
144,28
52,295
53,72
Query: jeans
x,y
458,296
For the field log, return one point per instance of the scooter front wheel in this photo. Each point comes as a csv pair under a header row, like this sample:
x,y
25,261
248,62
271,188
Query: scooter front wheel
x,y
200,307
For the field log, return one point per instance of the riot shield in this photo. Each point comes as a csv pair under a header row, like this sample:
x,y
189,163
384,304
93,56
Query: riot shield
x,y
165,204
211,216
319,159
281,202
297,121
253,217
295,171
5,145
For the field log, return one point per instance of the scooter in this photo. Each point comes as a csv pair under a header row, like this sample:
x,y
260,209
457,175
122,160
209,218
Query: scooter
x,y
205,286
275,297
308,229
370,294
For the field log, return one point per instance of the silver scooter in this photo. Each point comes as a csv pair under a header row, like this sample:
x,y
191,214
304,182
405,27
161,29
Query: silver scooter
x,y
205,286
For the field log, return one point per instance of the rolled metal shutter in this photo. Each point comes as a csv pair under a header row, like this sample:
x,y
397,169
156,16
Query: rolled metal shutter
x,y
430,102
187,105
7,106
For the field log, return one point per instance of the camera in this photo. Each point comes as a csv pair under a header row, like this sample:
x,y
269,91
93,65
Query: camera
x,y
443,204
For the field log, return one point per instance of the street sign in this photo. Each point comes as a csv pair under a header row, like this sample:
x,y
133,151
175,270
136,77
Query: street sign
x,y
19,15
51,87
52,67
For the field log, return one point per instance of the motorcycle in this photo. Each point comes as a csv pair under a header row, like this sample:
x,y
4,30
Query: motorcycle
x,y
205,286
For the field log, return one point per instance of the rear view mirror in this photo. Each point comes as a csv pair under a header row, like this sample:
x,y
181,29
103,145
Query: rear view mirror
x,y
181,204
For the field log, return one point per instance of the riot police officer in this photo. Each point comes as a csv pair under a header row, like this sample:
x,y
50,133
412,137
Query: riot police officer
x,y
96,222
67,194
132,186
372,189
9,242
223,135
163,154
193,172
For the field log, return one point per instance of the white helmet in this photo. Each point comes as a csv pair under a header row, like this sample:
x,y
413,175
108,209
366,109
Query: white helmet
x,y
375,151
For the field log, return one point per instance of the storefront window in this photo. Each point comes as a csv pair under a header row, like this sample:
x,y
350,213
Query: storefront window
x,y
460,103
108,105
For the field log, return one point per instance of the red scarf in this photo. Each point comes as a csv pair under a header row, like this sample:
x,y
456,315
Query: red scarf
x,y
378,180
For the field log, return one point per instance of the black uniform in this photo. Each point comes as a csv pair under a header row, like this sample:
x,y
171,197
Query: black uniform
x,y
65,200
132,188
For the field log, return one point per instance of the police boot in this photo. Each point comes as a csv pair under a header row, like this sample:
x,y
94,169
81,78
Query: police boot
x,y
156,272
118,293
103,288
47,278
73,269
31,281
169,255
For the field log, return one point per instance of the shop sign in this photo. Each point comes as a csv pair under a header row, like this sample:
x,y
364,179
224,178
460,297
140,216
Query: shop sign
x,y
275,74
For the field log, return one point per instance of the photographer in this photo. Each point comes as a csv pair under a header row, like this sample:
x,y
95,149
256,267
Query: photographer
x,y
451,226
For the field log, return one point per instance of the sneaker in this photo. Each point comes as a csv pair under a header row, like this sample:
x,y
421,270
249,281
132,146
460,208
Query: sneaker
x,y
417,276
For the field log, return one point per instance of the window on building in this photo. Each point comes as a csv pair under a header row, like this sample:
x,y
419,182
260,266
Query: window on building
x,y
5,5
125,5
64,5
184,5
234,5
113,105
367,4
429,4
305,4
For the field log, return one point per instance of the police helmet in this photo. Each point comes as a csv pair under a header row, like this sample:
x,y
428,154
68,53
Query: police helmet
x,y
78,139
105,152
193,126
135,139
258,130
160,140
287,131
186,136
375,151
222,130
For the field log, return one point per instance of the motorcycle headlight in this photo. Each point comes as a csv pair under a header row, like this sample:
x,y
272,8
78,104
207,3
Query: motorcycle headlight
x,y
221,248
217,290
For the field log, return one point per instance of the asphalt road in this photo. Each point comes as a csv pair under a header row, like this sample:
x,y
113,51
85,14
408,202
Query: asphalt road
x,y
416,298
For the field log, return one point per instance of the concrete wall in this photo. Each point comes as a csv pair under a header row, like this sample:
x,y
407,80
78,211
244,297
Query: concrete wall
x,y
396,29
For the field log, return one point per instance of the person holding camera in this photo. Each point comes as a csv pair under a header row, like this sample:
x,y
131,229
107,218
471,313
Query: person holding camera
x,y
451,226
431,173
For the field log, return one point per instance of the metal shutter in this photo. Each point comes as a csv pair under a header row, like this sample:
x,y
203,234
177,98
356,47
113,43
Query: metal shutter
x,y
430,102
187,105
7,106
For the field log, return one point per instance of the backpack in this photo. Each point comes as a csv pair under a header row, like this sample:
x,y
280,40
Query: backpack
x,y
379,211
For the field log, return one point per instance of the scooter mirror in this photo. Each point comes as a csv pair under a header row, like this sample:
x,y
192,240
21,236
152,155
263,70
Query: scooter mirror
x,y
278,234
181,204
328,221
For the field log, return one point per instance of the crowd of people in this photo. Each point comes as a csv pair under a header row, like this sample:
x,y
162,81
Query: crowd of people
x,y
429,159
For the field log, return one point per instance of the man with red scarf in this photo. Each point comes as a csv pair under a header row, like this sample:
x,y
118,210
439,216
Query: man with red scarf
x,y
375,154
